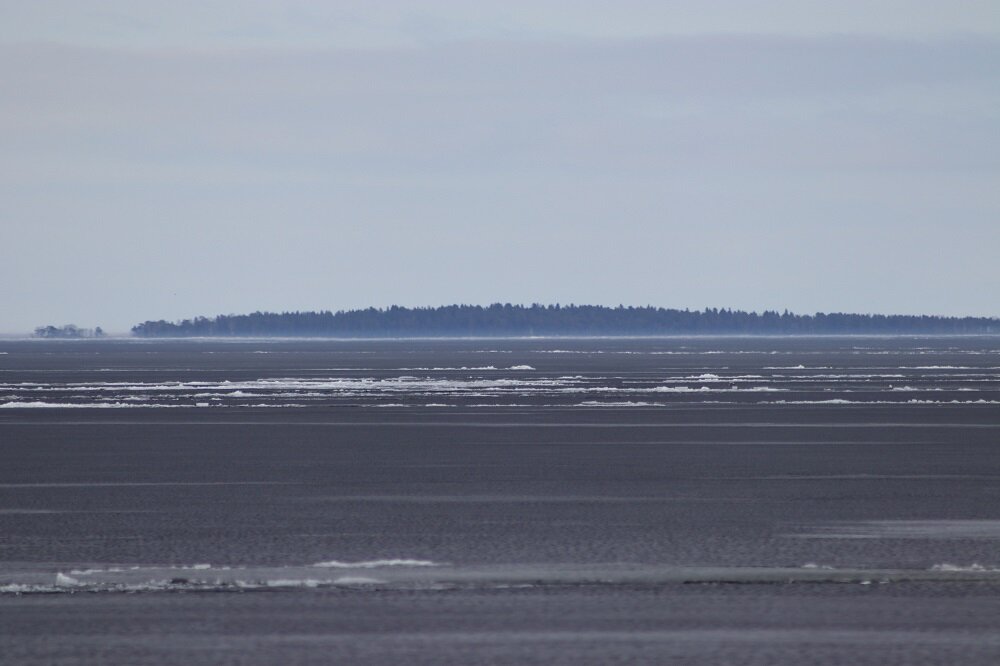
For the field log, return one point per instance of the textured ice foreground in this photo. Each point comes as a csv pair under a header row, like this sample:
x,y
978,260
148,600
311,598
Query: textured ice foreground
x,y
632,502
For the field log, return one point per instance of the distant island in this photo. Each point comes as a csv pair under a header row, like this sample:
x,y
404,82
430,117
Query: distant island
x,y
499,320
69,331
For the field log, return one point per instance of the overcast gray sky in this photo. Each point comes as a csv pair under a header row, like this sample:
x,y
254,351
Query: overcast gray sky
x,y
172,159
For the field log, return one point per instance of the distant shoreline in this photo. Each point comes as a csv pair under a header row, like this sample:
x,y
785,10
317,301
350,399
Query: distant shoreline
x,y
125,337
541,321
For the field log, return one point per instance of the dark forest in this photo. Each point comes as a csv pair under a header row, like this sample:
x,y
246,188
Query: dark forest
x,y
569,320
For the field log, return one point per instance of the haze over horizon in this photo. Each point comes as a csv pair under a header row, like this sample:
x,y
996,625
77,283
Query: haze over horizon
x,y
182,159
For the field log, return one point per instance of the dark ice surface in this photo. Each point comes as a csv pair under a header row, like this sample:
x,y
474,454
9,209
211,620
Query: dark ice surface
x,y
538,501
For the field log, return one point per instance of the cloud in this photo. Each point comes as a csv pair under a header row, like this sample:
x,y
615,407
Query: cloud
x,y
362,24
683,103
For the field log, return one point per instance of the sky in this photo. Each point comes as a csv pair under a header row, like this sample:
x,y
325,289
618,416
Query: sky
x,y
163,160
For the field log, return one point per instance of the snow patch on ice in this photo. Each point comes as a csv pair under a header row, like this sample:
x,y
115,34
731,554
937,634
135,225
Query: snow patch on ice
x,y
38,404
974,567
623,403
677,389
374,564
290,582
63,579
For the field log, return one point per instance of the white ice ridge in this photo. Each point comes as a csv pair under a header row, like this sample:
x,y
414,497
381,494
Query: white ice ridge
x,y
492,576
956,567
38,404
357,580
400,383
91,572
178,567
283,582
429,389
442,369
374,564
63,579
66,584
307,582
621,403
914,401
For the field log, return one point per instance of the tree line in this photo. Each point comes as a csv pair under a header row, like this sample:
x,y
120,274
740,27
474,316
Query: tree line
x,y
70,331
519,320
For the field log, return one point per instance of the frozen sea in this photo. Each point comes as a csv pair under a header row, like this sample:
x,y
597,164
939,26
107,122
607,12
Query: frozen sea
x,y
528,501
